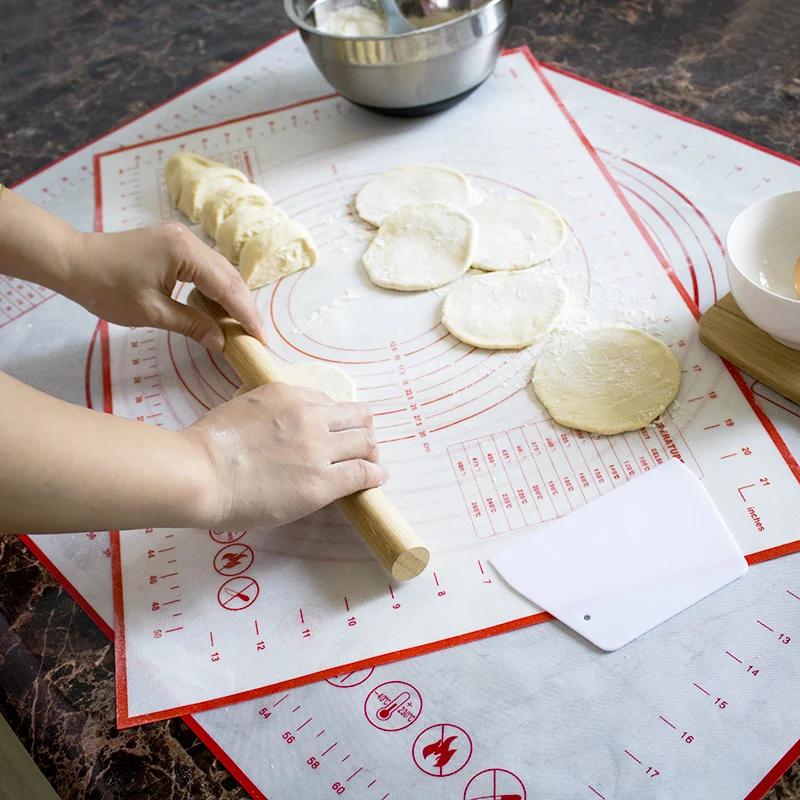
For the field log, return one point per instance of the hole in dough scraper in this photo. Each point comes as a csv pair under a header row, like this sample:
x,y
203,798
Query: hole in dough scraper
x,y
628,561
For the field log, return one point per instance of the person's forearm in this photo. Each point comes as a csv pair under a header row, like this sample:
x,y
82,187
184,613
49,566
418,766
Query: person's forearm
x,y
35,245
65,469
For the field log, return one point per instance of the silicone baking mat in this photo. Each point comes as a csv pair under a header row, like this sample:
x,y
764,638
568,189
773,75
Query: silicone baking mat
x,y
695,206
475,458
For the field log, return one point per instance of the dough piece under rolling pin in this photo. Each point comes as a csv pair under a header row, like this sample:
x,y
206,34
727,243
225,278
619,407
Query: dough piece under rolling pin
x,y
402,186
243,224
279,250
606,380
335,382
183,166
504,310
221,205
205,184
421,246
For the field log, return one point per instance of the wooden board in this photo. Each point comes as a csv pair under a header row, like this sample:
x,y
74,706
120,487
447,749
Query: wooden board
x,y
726,330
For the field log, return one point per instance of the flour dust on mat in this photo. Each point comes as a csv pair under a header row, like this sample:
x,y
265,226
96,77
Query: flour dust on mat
x,y
421,246
505,310
606,380
335,382
516,234
403,186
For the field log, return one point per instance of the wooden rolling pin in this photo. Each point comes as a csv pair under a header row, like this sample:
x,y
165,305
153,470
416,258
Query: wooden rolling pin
x,y
380,524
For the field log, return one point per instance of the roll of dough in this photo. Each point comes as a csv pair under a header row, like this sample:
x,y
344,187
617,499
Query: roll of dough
x,y
244,223
275,252
183,166
204,184
221,205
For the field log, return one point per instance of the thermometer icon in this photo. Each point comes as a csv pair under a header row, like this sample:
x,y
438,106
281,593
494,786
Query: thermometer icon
x,y
392,706
387,711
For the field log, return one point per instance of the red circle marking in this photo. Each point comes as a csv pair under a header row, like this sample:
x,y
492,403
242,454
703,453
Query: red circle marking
x,y
442,750
180,377
200,376
351,679
233,559
393,706
495,784
303,352
226,537
238,593
316,341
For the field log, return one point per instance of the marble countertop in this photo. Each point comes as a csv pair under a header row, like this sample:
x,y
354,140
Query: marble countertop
x,y
74,69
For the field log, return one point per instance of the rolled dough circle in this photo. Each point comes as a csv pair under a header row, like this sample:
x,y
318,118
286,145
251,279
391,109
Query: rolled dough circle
x,y
516,234
504,310
421,246
606,380
403,186
335,382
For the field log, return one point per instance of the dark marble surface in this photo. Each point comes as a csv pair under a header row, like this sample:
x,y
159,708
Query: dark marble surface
x,y
72,69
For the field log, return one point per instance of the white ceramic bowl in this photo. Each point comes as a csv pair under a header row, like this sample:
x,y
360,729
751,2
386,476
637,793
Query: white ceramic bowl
x,y
763,246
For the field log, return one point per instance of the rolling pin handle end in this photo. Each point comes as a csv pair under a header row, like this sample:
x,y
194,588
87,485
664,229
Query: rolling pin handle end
x,y
411,563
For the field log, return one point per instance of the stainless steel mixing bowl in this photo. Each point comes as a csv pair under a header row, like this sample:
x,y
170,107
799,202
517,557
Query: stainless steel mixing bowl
x,y
415,73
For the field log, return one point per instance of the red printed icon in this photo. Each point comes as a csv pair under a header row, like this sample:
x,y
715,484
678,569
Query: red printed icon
x,y
393,706
495,784
351,679
233,559
237,593
442,750
226,537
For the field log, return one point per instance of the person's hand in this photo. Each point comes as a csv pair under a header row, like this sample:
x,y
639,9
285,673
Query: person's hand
x,y
128,278
280,452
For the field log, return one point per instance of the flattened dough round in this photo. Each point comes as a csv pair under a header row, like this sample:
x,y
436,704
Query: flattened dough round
x,y
516,234
199,187
421,246
278,250
606,380
243,224
336,383
402,186
221,205
504,310
181,167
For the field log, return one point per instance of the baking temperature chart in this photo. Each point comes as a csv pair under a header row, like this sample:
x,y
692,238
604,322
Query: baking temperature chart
x,y
474,457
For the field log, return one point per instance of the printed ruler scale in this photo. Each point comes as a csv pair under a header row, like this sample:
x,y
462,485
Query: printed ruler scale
x,y
730,767
472,453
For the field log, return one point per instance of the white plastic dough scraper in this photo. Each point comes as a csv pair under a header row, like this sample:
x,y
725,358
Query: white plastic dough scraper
x,y
617,567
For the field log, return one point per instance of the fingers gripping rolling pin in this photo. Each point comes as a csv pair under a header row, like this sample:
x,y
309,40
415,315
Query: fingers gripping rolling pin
x,y
380,524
